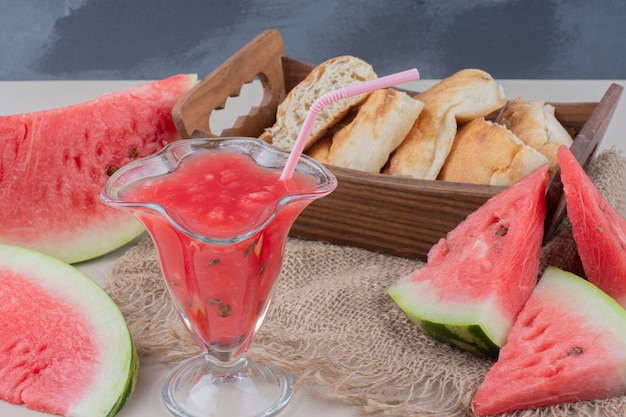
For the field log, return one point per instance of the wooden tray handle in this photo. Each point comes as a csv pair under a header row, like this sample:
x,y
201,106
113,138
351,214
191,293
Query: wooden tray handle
x,y
260,58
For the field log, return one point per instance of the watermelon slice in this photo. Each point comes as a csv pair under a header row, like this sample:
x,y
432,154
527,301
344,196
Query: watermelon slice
x,y
598,229
477,279
54,164
568,344
65,347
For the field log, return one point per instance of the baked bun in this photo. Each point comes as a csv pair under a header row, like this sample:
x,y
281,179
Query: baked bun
x,y
329,75
536,125
488,153
463,96
380,124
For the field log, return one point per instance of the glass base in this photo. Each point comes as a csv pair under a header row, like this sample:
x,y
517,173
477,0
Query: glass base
x,y
196,388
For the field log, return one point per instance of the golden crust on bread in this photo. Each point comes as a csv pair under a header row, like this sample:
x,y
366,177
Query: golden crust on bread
x,y
463,96
320,150
535,123
380,125
334,73
488,153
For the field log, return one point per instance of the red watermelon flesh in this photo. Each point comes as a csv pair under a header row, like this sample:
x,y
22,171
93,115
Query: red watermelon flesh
x,y
568,344
598,229
477,278
65,347
32,372
54,163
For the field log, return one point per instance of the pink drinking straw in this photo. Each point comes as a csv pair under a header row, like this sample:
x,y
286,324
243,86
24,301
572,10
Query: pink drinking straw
x,y
338,94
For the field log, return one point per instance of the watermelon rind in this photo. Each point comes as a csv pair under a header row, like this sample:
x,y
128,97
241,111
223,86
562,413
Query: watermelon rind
x,y
118,364
568,344
472,338
94,240
464,325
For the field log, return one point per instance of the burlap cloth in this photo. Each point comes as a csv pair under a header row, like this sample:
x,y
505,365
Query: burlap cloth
x,y
335,328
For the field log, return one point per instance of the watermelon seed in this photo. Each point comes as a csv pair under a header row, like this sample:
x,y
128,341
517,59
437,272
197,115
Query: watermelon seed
x,y
112,170
215,261
133,153
262,269
575,351
600,228
224,310
249,249
502,230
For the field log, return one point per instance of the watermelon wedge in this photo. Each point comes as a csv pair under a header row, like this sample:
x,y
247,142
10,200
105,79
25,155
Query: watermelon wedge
x,y
65,347
54,163
568,344
598,229
478,277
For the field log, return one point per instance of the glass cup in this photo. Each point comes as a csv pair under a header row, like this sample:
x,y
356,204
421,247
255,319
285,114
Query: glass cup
x,y
220,278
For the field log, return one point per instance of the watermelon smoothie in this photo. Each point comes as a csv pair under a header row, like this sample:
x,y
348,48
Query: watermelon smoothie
x,y
221,284
219,215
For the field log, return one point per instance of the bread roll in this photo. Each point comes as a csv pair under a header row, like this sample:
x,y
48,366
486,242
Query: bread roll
x,y
329,75
536,125
488,153
320,150
380,125
465,95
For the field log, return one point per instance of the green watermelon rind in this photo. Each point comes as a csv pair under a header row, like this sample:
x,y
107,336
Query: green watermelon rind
x,y
463,326
472,337
94,243
117,376
131,384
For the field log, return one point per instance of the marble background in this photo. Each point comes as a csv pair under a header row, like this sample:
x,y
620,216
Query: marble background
x,y
149,39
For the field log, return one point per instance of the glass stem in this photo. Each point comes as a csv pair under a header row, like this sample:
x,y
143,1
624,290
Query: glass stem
x,y
224,363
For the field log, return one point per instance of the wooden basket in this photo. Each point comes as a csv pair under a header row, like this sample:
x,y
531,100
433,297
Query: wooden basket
x,y
398,216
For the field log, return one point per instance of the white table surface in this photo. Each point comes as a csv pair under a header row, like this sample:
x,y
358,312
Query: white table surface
x,y
24,96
